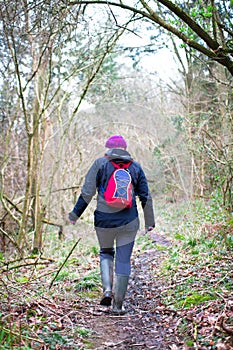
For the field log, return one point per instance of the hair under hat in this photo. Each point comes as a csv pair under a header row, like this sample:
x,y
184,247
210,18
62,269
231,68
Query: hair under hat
x,y
116,141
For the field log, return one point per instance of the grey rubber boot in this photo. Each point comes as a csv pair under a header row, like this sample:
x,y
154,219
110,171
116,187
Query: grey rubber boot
x,y
121,285
106,269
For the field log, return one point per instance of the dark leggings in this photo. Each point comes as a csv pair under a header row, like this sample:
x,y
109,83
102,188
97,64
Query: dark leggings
x,y
123,238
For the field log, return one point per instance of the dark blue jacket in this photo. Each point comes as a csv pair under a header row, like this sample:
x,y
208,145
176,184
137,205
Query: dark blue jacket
x,y
97,177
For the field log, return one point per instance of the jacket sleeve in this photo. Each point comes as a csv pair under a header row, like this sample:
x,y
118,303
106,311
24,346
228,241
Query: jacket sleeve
x,y
143,192
88,189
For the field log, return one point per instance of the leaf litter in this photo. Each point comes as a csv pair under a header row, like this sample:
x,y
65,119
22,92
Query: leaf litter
x,y
69,318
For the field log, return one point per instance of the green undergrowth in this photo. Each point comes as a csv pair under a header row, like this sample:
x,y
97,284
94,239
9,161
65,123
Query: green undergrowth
x,y
89,282
196,273
35,294
144,242
199,261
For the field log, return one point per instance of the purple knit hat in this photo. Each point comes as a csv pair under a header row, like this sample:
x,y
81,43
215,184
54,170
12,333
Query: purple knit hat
x,y
116,141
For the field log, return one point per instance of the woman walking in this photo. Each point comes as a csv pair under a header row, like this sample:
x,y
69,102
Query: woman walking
x,y
118,179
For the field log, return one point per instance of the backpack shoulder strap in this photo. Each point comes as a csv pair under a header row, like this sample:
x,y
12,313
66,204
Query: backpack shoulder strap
x,y
117,166
107,169
121,165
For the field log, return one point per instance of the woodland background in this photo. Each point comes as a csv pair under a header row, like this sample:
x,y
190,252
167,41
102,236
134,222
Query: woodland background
x,y
72,73
68,81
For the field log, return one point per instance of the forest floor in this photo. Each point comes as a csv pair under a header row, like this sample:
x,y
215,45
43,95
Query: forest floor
x,y
148,324
187,305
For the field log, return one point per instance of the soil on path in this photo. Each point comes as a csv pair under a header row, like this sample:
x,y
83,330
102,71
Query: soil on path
x,y
67,318
147,323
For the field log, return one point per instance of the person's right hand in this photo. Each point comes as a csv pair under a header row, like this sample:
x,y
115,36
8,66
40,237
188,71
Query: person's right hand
x,y
148,229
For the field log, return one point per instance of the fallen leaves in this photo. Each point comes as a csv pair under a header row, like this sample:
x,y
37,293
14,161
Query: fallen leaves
x,y
159,316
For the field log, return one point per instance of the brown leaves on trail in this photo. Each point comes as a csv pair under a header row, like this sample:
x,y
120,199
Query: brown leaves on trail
x,y
205,324
159,316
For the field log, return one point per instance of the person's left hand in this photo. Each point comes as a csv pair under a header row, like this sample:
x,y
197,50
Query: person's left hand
x,y
73,218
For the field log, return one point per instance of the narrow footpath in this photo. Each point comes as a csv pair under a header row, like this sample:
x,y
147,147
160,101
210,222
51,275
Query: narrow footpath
x,y
147,323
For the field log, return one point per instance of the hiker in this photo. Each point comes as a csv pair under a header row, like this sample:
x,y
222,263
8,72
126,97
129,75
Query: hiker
x,y
116,223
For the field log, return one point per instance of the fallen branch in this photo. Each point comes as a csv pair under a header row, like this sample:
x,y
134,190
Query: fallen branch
x,y
6,265
225,327
38,340
24,265
10,238
28,258
58,271
41,276
45,221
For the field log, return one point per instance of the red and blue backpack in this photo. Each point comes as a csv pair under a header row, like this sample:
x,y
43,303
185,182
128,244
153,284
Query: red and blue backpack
x,y
118,192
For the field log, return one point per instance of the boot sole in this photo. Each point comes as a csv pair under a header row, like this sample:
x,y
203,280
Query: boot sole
x,y
106,301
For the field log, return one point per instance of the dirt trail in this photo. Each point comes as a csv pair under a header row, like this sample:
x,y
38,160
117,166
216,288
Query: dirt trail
x,y
147,324
70,318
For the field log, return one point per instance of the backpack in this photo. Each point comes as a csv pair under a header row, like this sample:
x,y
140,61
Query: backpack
x,y
119,189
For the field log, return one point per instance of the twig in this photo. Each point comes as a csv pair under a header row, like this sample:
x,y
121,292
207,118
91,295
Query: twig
x,y
28,258
43,275
23,336
10,239
24,265
58,271
138,344
228,329
111,345
45,221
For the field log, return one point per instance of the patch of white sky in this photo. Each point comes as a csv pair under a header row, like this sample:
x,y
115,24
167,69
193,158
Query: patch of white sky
x,y
161,62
